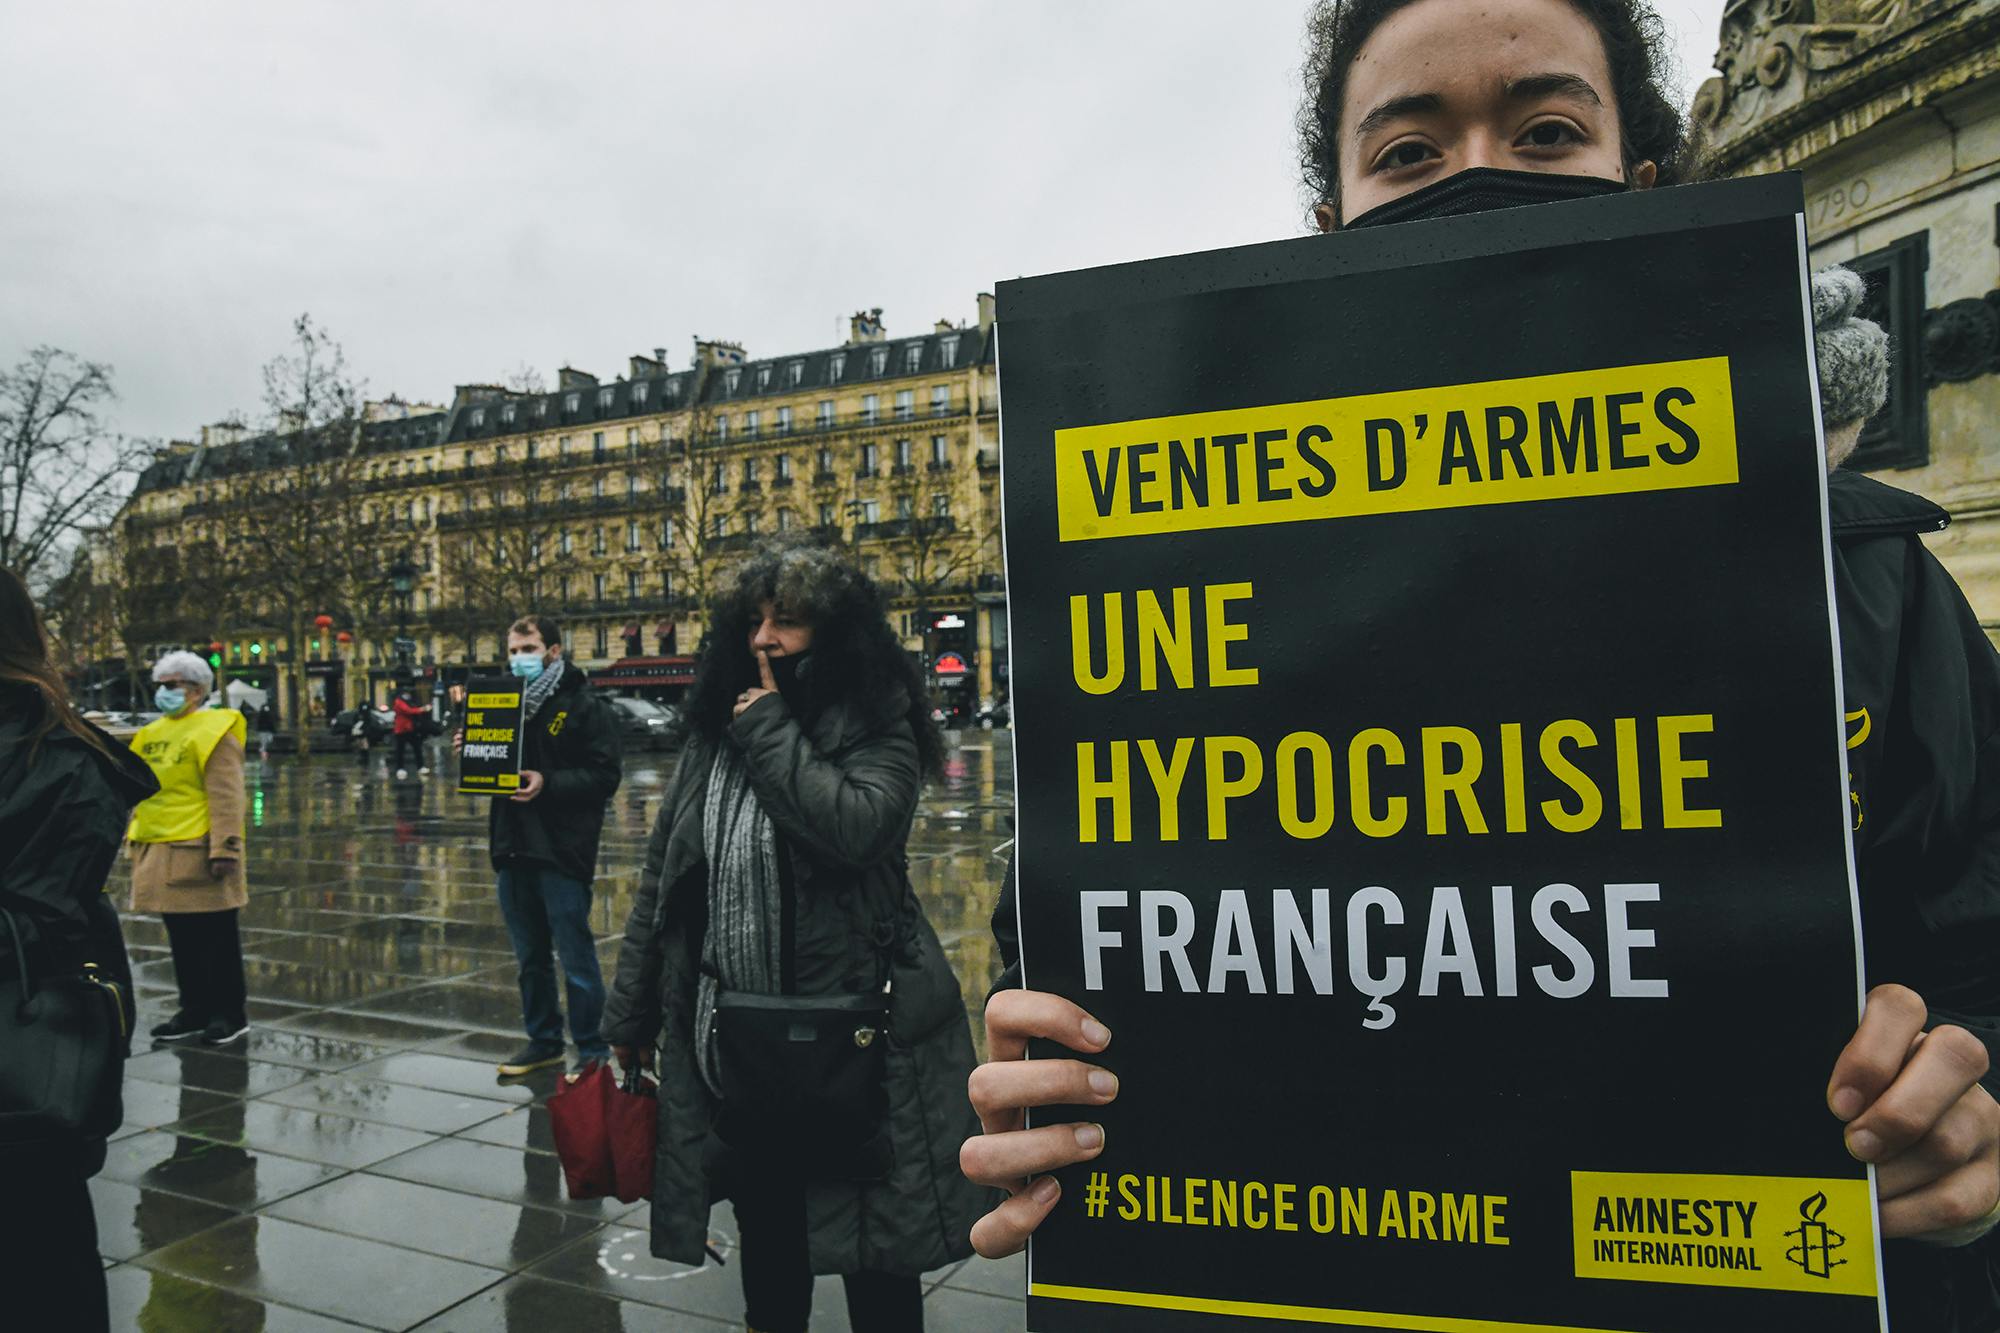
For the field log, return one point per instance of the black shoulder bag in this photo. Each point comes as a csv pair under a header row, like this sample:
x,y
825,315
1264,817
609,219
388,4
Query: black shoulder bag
x,y
62,1051
803,1077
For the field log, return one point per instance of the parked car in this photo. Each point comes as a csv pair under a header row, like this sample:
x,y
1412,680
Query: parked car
x,y
377,724
645,724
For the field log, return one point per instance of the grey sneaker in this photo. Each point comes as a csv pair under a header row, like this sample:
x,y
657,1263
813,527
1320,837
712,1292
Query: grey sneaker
x,y
529,1058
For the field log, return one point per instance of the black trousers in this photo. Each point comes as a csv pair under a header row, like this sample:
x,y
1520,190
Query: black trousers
x,y
413,744
208,964
778,1278
48,1241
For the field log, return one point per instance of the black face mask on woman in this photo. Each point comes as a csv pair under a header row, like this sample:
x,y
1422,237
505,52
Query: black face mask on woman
x,y
792,671
1481,189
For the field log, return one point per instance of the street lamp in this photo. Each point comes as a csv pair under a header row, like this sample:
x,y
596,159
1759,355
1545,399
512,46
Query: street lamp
x,y
402,582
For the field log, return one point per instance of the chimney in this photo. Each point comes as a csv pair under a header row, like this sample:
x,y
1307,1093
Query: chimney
x,y
865,326
570,378
712,352
641,367
467,395
943,326
985,312
660,355
219,434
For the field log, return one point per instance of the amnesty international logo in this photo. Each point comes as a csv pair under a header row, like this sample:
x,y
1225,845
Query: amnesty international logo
x,y
1816,1240
556,722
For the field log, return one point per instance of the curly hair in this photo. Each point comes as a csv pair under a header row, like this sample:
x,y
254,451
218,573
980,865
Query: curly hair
x,y
856,658
1636,47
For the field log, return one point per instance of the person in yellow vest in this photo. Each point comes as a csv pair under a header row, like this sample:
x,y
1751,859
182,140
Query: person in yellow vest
x,y
187,849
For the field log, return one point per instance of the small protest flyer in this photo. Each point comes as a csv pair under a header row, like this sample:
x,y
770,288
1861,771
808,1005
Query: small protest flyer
x,y
490,763
1431,768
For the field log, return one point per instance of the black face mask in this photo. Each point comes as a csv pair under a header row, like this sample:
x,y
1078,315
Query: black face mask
x,y
1481,189
793,672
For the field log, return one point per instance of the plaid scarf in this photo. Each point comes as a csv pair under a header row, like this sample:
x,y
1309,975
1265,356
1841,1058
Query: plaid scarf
x,y
541,687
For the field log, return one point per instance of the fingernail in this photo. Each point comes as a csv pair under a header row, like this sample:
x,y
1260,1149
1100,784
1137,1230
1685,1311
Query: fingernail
x,y
1103,1082
1090,1136
1044,1190
1863,1145
1847,1103
1096,1033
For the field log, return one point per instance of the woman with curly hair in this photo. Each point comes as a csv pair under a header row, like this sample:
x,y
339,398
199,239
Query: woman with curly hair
x,y
776,888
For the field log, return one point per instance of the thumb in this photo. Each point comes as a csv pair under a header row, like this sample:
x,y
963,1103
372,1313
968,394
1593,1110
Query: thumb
x,y
764,670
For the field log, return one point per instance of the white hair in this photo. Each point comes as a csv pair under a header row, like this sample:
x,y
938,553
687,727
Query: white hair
x,y
185,666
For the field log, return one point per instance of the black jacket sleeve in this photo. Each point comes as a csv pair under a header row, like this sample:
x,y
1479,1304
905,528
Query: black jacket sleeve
x,y
632,1008
592,776
54,877
855,812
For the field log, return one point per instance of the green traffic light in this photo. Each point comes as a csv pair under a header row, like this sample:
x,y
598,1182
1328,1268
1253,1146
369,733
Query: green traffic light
x,y
215,659
256,650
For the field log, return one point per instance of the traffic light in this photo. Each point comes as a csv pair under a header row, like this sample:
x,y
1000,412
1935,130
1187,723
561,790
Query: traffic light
x,y
257,649
315,645
215,659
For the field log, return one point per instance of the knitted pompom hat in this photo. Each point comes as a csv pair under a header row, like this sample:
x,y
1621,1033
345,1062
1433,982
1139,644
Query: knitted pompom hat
x,y
1853,352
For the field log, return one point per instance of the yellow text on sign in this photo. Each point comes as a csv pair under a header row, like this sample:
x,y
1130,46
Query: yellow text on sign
x,y
1778,1233
493,701
1665,426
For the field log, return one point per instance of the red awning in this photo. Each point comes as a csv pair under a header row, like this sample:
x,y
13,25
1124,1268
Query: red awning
x,y
631,631
664,628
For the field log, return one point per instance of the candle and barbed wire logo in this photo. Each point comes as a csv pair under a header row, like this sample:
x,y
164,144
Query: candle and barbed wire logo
x,y
1817,1240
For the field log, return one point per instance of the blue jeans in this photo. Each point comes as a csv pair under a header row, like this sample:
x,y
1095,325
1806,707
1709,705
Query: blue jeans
x,y
544,908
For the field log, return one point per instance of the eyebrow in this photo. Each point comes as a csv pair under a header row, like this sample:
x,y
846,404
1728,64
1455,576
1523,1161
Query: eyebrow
x,y
1524,88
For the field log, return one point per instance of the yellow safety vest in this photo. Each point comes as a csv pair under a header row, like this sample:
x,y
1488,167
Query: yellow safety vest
x,y
177,750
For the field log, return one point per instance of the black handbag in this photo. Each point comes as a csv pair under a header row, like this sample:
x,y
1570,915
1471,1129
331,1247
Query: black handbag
x,y
802,1081
62,1052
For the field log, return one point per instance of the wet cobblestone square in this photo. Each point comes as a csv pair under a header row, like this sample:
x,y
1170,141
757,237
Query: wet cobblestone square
x,y
357,1162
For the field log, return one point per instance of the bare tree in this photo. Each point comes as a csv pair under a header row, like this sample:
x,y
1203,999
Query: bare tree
x,y
683,475
61,470
524,378
504,553
936,551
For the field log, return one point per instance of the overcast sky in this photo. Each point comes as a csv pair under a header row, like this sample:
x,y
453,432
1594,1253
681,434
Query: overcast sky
x,y
457,189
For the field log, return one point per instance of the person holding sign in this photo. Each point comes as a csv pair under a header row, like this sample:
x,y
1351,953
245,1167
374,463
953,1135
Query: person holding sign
x,y
1419,109
544,844
779,969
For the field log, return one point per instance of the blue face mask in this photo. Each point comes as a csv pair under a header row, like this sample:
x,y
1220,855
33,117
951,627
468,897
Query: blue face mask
x,y
525,665
169,701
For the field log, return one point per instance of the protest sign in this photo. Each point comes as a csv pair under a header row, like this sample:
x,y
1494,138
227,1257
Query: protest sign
x,y
1430,767
490,762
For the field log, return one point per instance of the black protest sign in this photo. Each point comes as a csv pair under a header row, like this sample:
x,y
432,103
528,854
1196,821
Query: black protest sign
x,y
1430,767
490,762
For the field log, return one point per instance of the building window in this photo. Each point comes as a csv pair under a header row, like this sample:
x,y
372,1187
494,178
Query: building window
x,y
913,358
825,462
500,454
749,472
752,422
825,413
1899,435
903,456
730,379
632,583
825,515
666,534
507,414
795,373
631,486
562,589
782,469
571,402
597,445
904,509
631,437
567,544
564,489
597,486
906,404
750,524
718,480
468,458
478,417
939,457
597,541
666,584
948,350
940,399
531,449
871,405
871,511
603,635
878,361
604,396
868,462
836,366
785,520
597,588
541,408
562,446
631,534
940,506
784,421
719,527
763,378
722,426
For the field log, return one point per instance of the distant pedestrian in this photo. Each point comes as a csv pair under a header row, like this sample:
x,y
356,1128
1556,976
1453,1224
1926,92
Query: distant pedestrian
x,y
65,792
187,849
411,719
544,844
267,728
776,883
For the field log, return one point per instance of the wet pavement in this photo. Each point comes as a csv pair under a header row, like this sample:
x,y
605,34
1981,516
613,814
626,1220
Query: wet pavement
x,y
356,1162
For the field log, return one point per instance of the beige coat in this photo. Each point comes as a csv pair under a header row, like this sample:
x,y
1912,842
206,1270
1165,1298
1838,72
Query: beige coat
x,y
173,876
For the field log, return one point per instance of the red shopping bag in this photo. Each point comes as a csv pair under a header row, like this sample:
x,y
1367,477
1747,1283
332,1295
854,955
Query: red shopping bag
x,y
578,1119
632,1124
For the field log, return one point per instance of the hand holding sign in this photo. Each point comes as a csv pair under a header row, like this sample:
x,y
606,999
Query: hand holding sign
x,y
531,786
1914,1107
1006,1154
753,694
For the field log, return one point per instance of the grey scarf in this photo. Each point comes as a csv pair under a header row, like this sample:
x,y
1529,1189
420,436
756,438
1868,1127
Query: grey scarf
x,y
541,687
745,898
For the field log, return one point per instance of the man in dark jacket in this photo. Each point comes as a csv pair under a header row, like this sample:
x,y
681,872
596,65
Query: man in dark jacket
x,y
544,844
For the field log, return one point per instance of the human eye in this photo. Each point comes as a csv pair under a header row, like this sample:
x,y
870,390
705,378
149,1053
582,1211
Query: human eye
x,y
1550,135
1404,154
